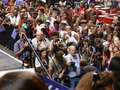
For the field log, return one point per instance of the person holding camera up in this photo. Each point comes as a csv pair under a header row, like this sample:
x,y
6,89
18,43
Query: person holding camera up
x,y
98,54
39,42
73,61
22,49
57,44
57,67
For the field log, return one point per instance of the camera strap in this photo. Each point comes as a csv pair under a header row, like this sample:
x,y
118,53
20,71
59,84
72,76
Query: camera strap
x,y
56,67
39,43
54,64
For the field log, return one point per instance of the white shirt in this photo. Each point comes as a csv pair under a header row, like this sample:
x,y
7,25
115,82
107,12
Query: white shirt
x,y
17,19
12,19
39,27
52,19
37,63
62,3
62,33
72,38
77,65
44,44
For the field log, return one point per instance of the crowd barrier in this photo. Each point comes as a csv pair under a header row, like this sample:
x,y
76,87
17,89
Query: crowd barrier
x,y
5,37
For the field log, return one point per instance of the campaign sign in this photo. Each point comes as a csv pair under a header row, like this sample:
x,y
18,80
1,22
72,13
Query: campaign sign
x,y
14,34
19,2
91,1
52,85
5,1
2,28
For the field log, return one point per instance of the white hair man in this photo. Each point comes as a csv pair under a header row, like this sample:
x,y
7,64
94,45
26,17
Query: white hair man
x,y
73,67
40,41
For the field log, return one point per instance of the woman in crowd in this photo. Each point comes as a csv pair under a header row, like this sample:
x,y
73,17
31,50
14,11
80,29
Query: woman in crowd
x,y
97,81
116,33
45,60
116,41
77,26
106,59
114,48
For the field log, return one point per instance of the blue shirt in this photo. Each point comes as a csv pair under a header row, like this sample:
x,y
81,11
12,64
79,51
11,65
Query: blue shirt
x,y
18,47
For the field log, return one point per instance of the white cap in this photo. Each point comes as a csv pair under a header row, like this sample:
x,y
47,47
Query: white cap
x,y
47,21
44,1
23,10
64,22
42,26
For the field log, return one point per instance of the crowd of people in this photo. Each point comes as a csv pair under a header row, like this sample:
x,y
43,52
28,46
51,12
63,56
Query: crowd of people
x,y
69,39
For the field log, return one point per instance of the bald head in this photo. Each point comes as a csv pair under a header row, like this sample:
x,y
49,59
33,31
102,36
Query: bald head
x,y
39,32
72,50
72,47
39,35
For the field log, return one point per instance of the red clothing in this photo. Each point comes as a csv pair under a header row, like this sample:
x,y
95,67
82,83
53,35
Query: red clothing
x,y
81,10
68,13
114,11
118,12
41,7
50,32
74,12
64,20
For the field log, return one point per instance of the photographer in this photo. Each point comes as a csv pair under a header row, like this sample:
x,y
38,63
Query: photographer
x,y
40,42
22,49
45,60
57,67
85,50
98,54
57,44
73,67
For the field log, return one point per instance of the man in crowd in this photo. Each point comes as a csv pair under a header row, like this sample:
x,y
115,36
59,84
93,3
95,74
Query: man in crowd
x,y
40,42
73,67
57,44
22,49
61,23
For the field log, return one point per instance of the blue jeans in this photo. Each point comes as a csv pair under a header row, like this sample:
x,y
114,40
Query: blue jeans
x,y
73,82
